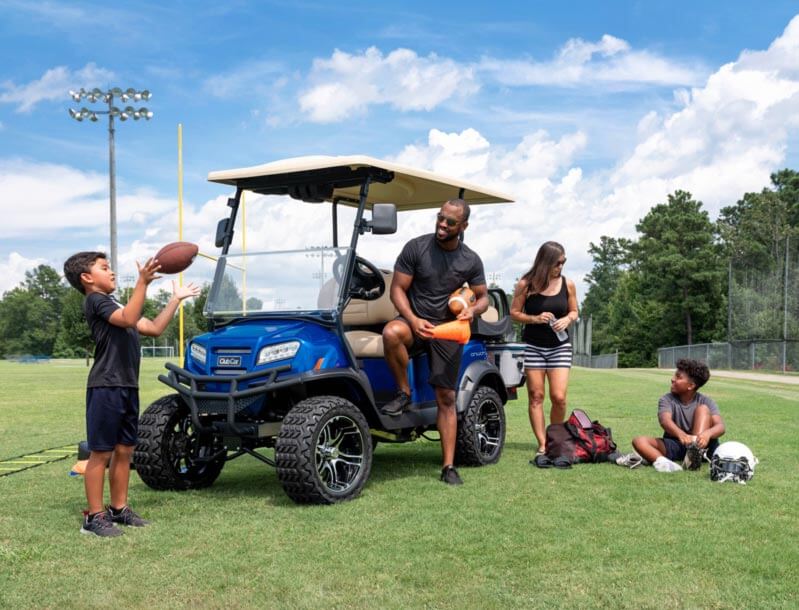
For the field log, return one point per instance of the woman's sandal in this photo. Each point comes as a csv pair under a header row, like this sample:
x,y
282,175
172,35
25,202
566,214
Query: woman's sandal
x,y
562,462
542,460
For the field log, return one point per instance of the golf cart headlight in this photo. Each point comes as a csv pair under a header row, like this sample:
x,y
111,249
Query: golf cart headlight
x,y
198,352
281,351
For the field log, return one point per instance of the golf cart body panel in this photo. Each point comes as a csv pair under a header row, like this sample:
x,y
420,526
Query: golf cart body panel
x,y
280,366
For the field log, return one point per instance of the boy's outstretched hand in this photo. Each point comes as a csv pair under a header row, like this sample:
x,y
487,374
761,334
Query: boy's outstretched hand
x,y
149,270
184,292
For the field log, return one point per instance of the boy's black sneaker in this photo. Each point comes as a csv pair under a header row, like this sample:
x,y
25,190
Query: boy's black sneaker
x,y
126,517
693,457
450,476
396,405
99,525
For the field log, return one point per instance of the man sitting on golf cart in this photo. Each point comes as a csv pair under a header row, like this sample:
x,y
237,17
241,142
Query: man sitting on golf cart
x,y
427,271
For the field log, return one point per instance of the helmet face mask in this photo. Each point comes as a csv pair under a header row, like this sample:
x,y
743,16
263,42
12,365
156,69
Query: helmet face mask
x,y
733,462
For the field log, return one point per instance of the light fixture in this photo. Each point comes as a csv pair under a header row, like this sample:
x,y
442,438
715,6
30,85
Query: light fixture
x,y
94,95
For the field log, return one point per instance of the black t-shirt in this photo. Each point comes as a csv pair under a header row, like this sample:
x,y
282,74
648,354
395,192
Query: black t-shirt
x,y
542,335
116,353
436,274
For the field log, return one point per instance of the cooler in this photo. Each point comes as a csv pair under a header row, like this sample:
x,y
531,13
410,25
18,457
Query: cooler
x,y
509,359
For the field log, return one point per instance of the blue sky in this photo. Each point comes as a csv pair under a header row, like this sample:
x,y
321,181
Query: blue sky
x,y
588,112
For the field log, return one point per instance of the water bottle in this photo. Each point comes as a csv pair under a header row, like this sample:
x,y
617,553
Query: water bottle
x,y
561,334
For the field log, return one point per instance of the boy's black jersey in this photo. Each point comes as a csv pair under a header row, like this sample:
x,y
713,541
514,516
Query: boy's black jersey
x,y
117,353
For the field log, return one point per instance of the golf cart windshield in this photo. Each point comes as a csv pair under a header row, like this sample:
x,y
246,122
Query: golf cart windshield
x,y
290,281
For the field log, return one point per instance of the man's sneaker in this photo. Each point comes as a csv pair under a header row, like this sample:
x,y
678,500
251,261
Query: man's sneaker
x,y
397,404
450,476
126,517
663,464
693,457
630,460
99,525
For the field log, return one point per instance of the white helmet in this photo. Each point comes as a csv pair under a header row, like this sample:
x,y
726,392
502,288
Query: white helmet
x,y
732,461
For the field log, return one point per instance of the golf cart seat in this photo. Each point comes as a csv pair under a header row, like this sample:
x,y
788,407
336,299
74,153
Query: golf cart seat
x,y
366,320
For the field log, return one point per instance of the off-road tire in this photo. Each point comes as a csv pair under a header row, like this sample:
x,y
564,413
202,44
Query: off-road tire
x,y
307,451
481,430
168,445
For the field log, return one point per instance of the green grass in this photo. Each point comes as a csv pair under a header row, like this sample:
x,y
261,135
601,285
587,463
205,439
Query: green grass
x,y
512,537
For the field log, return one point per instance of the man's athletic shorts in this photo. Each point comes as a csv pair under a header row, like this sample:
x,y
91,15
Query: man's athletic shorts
x,y
112,417
546,358
445,359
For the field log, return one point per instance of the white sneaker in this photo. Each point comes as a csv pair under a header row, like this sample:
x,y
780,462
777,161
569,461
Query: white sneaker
x,y
630,460
663,464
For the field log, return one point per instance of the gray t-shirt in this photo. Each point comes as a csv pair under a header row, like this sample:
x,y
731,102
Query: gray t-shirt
x,y
683,415
436,274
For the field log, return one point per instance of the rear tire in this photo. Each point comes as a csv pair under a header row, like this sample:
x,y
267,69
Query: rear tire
x,y
168,448
481,430
323,451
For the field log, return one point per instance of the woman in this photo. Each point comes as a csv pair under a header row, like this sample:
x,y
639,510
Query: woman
x,y
546,303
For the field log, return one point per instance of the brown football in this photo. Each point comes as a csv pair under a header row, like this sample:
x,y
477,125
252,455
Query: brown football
x,y
459,299
176,257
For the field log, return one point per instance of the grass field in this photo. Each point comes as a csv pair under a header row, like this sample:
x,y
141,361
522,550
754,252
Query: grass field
x,y
512,537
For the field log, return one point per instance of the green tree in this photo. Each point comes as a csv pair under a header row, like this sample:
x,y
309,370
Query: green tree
x,y
681,268
29,314
610,261
74,339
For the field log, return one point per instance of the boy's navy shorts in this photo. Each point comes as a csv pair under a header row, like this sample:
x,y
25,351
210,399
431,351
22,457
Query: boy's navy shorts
x,y
112,417
675,450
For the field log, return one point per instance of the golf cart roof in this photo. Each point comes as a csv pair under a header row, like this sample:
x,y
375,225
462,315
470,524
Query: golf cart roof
x,y
327,178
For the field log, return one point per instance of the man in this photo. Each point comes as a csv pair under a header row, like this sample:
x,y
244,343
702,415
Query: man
x,y
427,271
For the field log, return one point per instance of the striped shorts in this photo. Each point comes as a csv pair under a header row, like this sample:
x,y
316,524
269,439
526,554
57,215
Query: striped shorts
x,y
548,357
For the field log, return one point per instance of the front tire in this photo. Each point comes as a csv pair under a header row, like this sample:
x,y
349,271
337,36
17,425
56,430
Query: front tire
x,y
323,451
481,430
167,453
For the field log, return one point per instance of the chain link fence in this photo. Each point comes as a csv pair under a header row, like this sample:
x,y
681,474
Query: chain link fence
x,y
780,356
580,333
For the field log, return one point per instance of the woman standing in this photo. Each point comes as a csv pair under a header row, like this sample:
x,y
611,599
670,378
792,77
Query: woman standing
x,y
546,303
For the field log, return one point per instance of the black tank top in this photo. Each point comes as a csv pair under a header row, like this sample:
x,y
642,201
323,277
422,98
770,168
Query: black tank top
x,y
542,335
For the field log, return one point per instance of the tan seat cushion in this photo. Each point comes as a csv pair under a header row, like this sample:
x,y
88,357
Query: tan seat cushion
x,y
490,315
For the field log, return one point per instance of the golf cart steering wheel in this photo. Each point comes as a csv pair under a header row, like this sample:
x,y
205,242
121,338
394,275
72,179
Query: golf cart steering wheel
x,y
367,280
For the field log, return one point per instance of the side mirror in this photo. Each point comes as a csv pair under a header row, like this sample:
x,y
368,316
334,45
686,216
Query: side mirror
x,y
384,219
221,232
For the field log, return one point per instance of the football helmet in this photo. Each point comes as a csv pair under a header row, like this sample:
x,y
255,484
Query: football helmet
x,y
732,461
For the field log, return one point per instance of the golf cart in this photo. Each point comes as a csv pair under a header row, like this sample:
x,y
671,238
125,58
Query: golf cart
x,y
293,359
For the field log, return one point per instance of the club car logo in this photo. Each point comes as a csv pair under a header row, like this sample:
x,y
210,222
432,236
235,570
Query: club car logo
x,y
228,361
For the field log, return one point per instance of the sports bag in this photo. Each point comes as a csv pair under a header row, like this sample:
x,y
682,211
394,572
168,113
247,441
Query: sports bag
x,y
579,439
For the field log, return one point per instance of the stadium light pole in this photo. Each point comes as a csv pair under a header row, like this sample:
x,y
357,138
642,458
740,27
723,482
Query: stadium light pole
x,y
129,112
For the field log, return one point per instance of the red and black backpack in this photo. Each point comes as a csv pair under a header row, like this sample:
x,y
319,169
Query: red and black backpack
x,y
579,439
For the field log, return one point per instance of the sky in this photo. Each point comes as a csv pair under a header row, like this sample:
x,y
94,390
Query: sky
x,y
588,113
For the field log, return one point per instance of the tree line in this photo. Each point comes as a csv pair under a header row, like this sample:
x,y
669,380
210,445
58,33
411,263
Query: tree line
x,y
672,284
43,316
669,286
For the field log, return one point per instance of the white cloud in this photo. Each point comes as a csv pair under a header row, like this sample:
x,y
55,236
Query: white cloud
x,y
610,61
53,86
12,270
345,84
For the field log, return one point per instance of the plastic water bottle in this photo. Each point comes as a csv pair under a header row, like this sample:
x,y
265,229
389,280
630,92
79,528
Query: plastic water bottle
x,y
561,334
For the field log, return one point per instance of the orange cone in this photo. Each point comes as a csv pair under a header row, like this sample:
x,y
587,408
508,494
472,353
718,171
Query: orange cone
x,y
457,330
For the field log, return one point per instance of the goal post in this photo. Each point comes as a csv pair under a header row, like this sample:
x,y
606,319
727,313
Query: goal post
x,y
157,351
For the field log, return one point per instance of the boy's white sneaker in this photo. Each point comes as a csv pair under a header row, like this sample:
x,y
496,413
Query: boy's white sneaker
x,y
663,464
630,460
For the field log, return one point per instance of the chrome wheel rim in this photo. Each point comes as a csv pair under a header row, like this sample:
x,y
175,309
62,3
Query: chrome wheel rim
x,y
340,449
488,429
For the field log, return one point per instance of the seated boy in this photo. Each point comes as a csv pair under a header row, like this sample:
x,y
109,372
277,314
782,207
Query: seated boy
x,y
691,424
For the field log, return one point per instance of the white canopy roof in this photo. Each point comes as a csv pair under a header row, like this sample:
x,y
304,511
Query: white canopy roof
x,y
410,188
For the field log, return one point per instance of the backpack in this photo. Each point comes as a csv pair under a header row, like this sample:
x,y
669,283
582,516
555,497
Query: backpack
x,y
579,439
